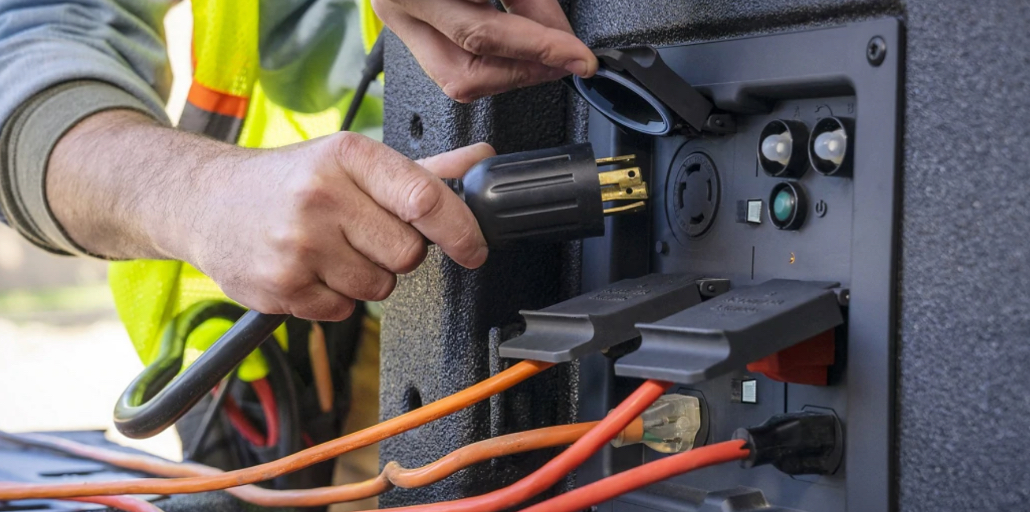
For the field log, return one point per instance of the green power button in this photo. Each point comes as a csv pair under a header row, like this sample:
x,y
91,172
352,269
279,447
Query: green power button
x,y
784,204
787,205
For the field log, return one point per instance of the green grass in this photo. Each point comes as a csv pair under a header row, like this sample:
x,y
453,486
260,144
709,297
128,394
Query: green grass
x,y
84,298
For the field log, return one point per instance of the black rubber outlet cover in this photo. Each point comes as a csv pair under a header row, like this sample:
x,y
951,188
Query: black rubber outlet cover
x,y
601,319
729,331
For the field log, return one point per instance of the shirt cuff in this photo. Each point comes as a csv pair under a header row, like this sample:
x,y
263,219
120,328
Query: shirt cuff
x,y
26,142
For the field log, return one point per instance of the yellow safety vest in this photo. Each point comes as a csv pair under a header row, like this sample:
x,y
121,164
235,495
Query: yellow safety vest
x,y
225,102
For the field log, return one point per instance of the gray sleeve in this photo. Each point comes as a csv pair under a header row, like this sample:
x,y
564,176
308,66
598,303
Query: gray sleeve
x,y
61,61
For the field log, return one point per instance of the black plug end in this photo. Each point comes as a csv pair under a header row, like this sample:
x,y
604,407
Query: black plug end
x,y
547,195
799,443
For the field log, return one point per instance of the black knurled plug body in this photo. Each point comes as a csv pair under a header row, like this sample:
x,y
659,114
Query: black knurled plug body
x,y
798,443
546,195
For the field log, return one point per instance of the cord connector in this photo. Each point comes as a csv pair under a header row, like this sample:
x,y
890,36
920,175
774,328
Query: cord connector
x,y
670,425
797,443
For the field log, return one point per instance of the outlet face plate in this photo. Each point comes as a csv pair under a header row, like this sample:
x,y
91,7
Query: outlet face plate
x,y
849,236
820,250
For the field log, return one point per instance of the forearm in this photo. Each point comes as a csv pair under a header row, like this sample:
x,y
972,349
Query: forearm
x,y
303,229
123,186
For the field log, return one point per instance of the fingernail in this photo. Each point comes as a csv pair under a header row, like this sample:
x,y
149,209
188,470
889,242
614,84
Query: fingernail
x,y
577,67
481,255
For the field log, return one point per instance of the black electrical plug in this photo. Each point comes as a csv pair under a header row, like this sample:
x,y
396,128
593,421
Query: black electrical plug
x,y
798,443
548,195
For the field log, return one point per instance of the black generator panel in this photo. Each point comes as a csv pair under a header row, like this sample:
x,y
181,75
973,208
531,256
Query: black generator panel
x,y
723,209
920,231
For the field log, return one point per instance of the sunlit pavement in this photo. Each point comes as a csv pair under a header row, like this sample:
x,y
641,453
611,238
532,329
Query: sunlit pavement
x,y
67,378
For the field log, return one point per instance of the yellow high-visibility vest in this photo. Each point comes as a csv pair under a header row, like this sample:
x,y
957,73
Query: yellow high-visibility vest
x,y
225,102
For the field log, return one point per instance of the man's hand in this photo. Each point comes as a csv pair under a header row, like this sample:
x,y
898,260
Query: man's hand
x,y
304,229
471,50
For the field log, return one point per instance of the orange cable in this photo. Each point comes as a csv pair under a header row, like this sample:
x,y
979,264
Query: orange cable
x,y
125,503
643,475
318,353
430,412
393,474
557,468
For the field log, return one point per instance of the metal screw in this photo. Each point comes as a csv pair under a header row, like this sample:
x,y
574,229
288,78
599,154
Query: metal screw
x,y
844,296
876,51
711,288
661,247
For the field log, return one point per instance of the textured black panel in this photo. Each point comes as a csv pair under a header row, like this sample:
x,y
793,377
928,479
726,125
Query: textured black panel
x,y
606,23
964,317
965,287
436,328
210,502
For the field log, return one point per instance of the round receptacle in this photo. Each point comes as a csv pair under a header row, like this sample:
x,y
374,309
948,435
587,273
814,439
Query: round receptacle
x,y
626,102
692,195
781,148
788,205
830,146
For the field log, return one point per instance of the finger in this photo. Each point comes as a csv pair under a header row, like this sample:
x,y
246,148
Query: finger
x,y
482,30
544,12
462,76
314,302
414,195
320,303
353,275
454,164
383,239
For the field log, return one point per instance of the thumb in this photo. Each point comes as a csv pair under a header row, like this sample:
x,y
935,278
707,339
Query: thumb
x,y
454,164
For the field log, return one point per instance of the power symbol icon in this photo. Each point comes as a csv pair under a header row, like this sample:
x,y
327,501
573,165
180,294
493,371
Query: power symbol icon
x,y
820,208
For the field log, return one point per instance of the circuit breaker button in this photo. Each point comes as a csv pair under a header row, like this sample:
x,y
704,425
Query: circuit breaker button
x,y
602,319
807,362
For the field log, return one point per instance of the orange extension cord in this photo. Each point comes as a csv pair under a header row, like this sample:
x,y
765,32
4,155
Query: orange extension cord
x,y
560,466
430,412
641,476
393,474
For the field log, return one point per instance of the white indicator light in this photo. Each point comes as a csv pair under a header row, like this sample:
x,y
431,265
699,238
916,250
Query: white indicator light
x,y
831,146
777,148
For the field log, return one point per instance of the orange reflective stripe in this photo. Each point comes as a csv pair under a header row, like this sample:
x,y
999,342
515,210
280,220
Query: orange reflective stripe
x,y
217,102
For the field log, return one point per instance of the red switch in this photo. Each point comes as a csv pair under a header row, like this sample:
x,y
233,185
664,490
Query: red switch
x,y
805,363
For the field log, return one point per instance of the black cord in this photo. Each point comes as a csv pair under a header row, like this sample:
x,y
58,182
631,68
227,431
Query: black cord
x,y
373,66
138,416
210,414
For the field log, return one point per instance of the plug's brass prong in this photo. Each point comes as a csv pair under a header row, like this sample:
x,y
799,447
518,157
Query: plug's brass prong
x,y
608,160
623,194
623,177
629,208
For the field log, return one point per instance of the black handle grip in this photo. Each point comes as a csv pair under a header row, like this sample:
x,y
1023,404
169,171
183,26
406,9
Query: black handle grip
x,y
157,398
545,195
